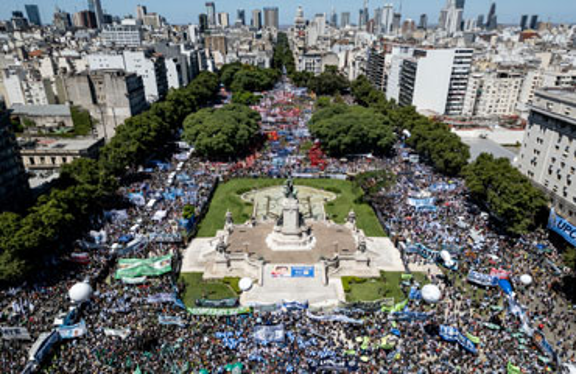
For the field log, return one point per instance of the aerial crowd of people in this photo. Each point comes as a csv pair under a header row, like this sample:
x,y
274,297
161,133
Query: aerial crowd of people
x,y
139,324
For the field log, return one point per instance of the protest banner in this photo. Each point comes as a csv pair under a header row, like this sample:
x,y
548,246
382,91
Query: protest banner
x,y
218,312
122,333
14,333
72,331
274,333
134,267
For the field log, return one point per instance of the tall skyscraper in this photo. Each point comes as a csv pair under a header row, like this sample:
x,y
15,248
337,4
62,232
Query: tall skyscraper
x,y
240,17
202,22
387,19
396,23
223,19
256,21
492,17
534,24
141,11
333,20
345,19
423,20
95,7
523,23
62,20
211,13
451,17
460,4
271,17
33,14
481,21
365,12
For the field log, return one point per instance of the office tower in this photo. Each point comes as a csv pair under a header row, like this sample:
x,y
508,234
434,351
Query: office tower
x,y
271,17
211,13
523,23
95,7
450,69
33,14
61,20
480,21
547,153
423,22
492,17
18,21
365,12
460,4
85,19
333,20
141,11
222,19
256,21
361,18
396,23
387,19
345,19
450,17
240,17
534,24
202,22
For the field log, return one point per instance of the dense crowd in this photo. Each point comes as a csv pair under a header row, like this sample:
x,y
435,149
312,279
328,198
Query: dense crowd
x,y
141,326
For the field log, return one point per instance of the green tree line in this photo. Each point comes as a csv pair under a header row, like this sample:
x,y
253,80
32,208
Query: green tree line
x,y
85,185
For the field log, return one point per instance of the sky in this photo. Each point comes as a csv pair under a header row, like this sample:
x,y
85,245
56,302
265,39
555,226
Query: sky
x,y
186,11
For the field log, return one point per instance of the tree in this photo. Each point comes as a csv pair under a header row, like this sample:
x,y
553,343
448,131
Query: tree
x,y
223,134
346,130
569,258
506,193
282,55
330,82
245,98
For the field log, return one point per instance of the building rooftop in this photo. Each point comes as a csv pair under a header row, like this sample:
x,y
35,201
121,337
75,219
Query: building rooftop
x,y
41,110
566,95
54,144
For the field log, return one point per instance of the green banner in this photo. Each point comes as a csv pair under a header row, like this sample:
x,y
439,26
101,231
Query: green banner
x,y
218,312
396,308
473,338
512,369
133,267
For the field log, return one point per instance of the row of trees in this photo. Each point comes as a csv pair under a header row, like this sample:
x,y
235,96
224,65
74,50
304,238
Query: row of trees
x,y
86,186
344,129
282,57
434,141
224,133
494,183
329,82
506,193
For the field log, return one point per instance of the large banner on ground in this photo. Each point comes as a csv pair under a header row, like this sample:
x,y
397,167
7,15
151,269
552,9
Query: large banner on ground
x,y
562,227
451,334
225,302
14,333
218,312
482,279
133,267
333,318
302,271
273,333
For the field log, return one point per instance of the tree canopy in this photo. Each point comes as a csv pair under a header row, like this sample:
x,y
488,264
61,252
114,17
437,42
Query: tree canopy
x,y
85,185
507,193
223,133
243,77
346,130
282,55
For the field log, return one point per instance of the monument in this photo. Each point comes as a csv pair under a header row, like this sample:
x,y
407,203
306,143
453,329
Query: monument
x,y
290,232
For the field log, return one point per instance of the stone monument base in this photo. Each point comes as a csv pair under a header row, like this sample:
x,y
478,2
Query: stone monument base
x,y
278,241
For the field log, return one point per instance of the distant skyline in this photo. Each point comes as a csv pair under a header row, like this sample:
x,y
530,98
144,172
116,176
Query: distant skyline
x,y
183,12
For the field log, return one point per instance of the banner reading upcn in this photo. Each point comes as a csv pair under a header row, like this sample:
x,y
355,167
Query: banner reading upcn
x,y
133,267
562,227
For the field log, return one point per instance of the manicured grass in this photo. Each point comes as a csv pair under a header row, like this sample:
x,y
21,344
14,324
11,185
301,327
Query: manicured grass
x,y
227,197
197,288
372,289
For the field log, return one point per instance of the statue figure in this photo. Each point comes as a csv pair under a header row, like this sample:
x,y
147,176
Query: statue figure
x,y
228,218
352,218
220,245
362,246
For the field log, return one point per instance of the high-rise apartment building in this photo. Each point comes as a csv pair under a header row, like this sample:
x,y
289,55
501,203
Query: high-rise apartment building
x,y
95,7
547,154
211,13
271,19
33,14
345,19
256,21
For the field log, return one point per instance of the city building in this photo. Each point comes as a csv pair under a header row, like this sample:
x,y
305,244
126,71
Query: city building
x,y
49,154
61,20
256,20
423,21
435,80
121,35
33,14
211,13
388,15
44,116
534,24
345,19
523,23
547,154
451,17
14,186
111,96
492,17
141,11
85,19
493,93
223,20
240,18
271,19
95,7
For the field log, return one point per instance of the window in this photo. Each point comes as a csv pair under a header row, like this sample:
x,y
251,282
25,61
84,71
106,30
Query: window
x,y
31,160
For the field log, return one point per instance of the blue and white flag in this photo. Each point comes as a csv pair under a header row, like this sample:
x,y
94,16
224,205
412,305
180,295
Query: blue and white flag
x,y
72,331
562,227
171,320
482,279
268,334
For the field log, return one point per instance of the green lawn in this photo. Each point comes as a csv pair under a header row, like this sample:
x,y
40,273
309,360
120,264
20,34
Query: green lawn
x,y
349,196
197,288
372,289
